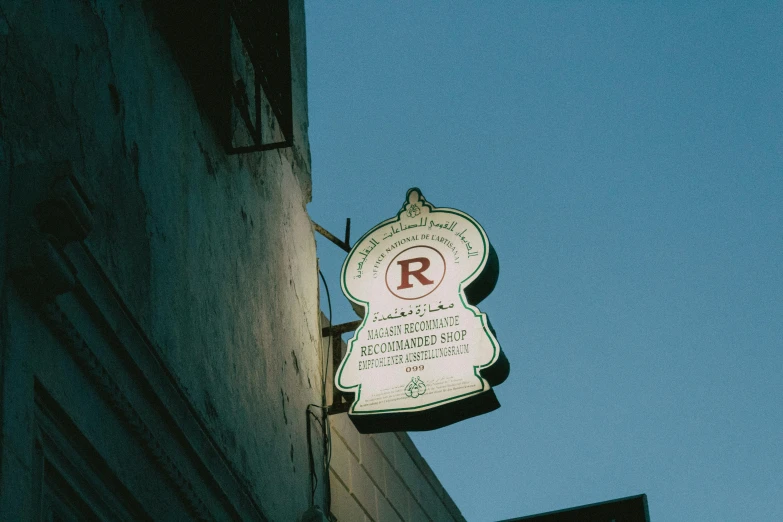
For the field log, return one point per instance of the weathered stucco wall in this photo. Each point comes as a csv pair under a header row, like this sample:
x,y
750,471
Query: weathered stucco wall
x,y
213,255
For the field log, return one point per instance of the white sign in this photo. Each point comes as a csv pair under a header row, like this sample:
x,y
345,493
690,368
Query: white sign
x,y
422,344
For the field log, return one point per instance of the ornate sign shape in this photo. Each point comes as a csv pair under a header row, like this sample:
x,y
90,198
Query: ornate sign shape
x,y
424,356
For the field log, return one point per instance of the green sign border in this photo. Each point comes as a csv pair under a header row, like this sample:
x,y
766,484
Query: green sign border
x,y
496,350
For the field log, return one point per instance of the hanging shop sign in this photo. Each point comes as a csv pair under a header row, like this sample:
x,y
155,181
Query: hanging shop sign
x,y
424,356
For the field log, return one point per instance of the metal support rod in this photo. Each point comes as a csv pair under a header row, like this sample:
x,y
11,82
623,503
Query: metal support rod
x,y
340,403
259,137
336,408
340,329
260,148
345,245
256,131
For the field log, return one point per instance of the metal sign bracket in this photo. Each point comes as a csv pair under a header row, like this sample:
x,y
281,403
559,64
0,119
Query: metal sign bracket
x,y
345,245
340,400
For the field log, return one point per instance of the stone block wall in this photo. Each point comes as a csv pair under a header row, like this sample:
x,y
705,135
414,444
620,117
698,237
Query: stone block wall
x,y
382,477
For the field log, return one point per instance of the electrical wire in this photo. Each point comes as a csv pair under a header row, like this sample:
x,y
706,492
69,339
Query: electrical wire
x,y
311,460
324,420
326,425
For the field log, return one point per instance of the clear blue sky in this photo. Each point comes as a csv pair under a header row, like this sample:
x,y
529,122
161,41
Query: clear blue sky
x,y
626,160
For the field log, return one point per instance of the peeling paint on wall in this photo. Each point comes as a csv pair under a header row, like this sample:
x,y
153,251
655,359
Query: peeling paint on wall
x,y
212,255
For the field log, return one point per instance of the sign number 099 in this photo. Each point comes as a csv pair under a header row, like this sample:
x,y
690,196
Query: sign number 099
x,y
415,368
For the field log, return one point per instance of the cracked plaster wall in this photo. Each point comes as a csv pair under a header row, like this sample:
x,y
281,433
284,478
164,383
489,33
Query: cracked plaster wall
x,y
213,255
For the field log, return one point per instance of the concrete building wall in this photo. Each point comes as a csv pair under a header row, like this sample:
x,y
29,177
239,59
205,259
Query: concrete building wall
x,y
184,341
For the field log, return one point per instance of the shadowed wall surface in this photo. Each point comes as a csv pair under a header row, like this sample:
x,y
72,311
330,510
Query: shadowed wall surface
x,y
159,362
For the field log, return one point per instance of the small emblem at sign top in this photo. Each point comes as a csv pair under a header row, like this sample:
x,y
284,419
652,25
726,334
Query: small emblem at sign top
x,y
413,211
